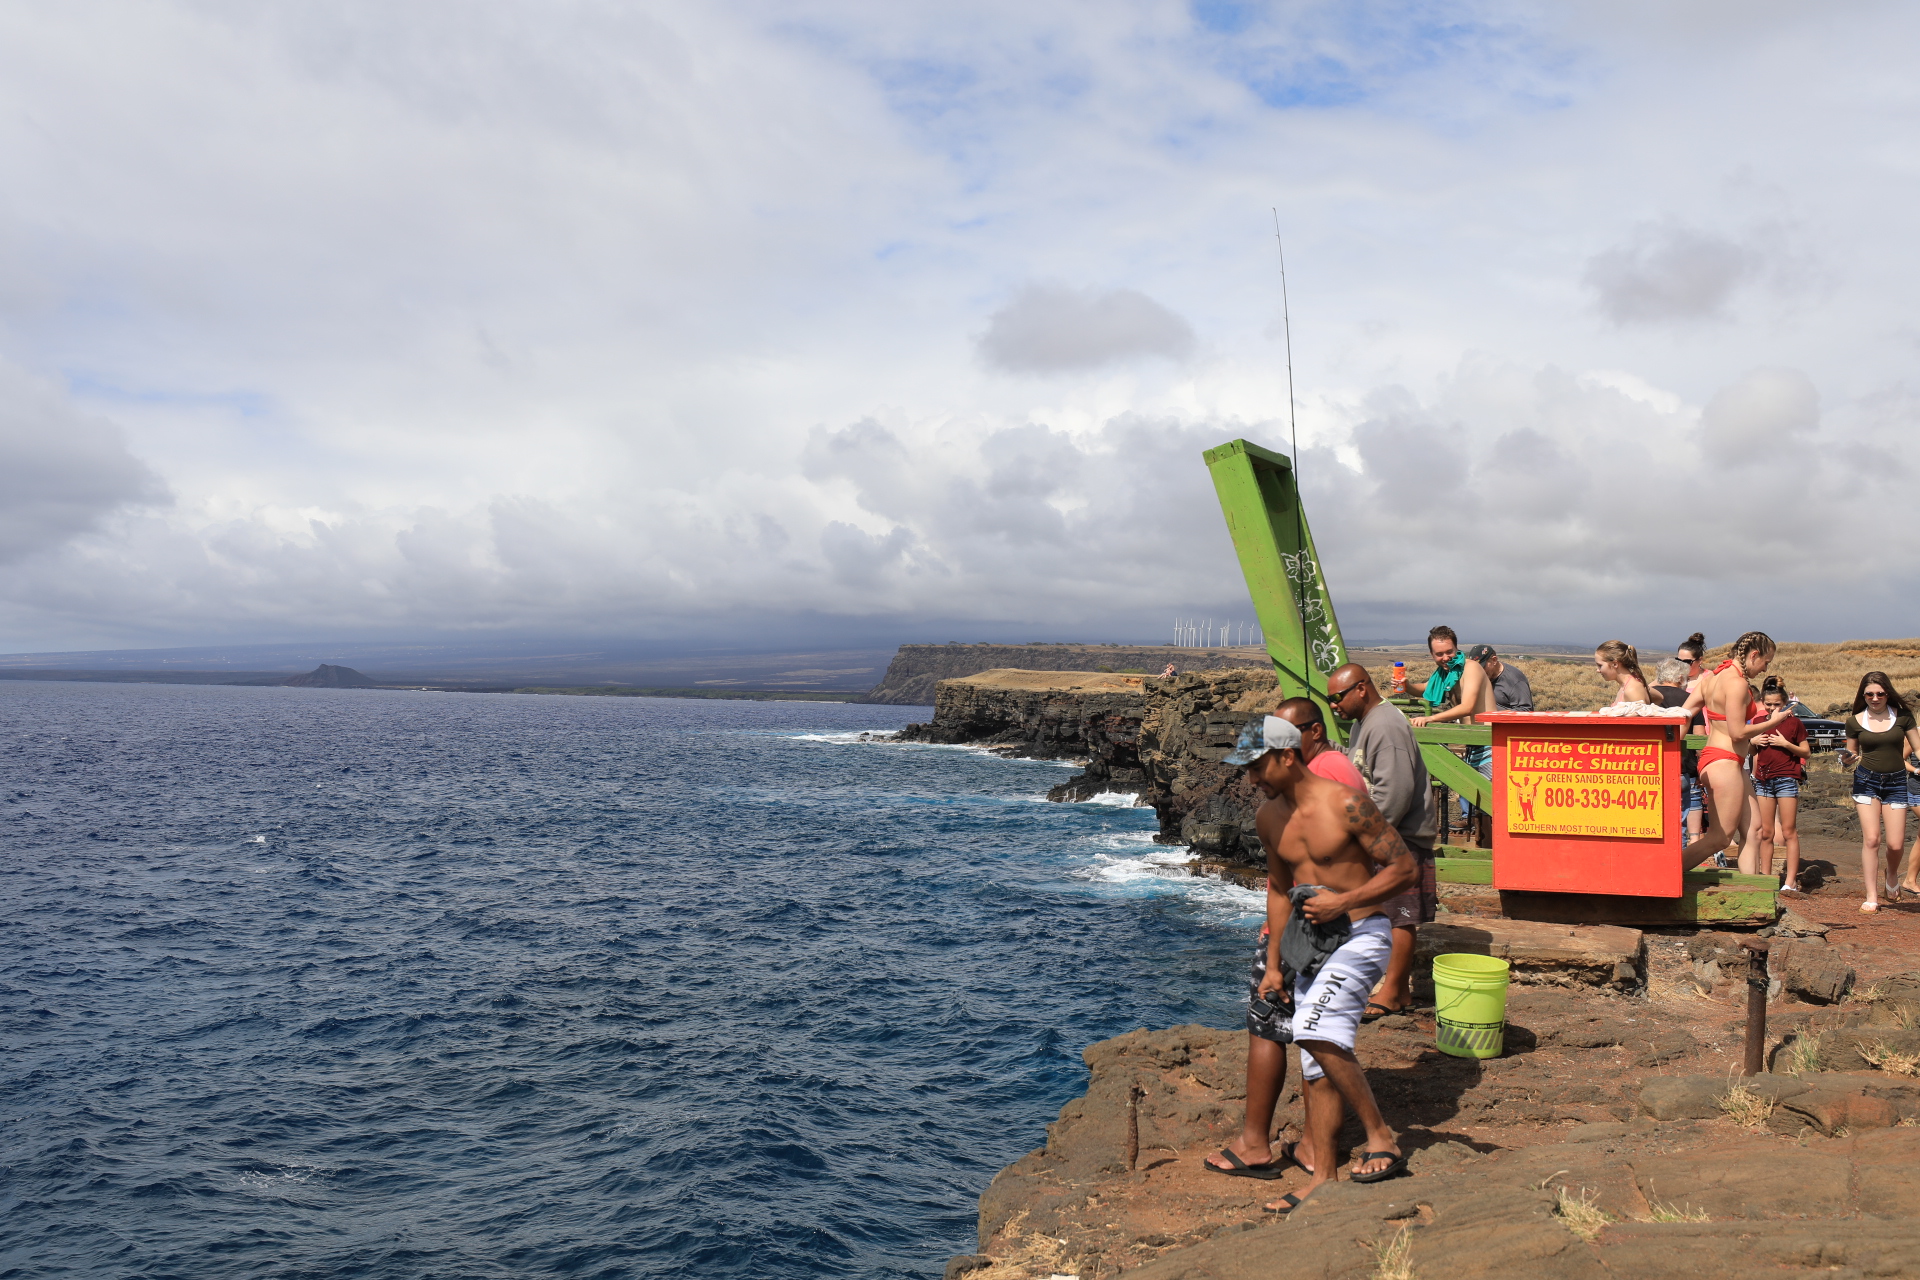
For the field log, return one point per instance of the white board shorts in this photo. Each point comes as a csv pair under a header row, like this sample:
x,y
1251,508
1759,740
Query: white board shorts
x,y
1329,1007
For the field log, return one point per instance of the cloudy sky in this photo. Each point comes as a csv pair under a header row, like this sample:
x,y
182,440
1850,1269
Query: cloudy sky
x,y
706,322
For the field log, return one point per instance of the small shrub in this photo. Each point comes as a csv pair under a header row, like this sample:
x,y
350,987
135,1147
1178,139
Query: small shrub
x,y
1803,1054
1891,1061
1745,1107
1393,1259
1674,1213
1582,1216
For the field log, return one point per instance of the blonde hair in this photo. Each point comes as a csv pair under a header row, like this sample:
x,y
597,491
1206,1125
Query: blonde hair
x,y
1751,642
1622,655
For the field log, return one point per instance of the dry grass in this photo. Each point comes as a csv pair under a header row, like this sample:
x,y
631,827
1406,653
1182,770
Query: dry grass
x,y
1393,1259
1745,1107
1825,676
1557,685
1891,1061
1580,1212
1034,1254
1668,987
1803,1054
1820,675
1659,1212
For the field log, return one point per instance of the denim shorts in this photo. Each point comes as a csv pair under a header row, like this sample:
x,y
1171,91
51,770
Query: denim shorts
x,y
1690,797
1777,788
1890,789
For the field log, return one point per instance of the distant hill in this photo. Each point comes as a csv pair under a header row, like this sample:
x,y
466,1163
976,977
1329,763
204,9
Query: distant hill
x,y
328,676
917,668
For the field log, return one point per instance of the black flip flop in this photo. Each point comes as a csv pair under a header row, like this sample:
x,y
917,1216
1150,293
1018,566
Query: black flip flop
x,y
1368,1015
1267,1172
1289,1155
1290,1200
1394,1170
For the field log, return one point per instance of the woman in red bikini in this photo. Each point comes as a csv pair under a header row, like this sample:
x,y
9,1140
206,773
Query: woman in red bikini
x,y
1734,720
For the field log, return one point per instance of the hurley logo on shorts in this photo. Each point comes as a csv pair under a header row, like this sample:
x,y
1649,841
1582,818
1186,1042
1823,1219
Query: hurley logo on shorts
x,y
1330,989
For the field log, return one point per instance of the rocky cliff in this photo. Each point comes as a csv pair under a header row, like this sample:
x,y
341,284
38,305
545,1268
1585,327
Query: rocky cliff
x,y
917,669
1046,715
1163,739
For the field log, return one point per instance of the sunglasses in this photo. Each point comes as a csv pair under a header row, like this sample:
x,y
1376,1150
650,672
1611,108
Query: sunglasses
x,y
1874,693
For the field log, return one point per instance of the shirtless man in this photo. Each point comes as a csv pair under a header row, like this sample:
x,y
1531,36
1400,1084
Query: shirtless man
x,y
1269,1025
1330,839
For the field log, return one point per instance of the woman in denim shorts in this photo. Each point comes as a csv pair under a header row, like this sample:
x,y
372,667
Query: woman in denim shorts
x,y
1779,767
1880,737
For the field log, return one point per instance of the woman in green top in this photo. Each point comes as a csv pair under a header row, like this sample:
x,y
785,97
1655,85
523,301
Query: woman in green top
x,y
1883,743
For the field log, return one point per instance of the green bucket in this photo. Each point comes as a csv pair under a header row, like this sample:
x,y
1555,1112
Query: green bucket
x,y
1470,1004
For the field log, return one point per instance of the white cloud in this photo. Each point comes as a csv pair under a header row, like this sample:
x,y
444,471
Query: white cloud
x,y
1052,329
1669,273
61,471
645,320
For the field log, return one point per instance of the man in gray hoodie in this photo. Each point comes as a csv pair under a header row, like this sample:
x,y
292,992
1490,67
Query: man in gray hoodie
x,y
1383,749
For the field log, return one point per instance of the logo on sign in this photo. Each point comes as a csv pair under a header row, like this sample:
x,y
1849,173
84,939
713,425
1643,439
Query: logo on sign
x,y
1570,787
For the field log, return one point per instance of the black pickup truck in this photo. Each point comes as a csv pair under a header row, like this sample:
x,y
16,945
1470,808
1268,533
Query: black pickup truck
x,y
1822,734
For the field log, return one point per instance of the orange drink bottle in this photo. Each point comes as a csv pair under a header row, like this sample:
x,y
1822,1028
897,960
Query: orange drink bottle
x,y
1399,677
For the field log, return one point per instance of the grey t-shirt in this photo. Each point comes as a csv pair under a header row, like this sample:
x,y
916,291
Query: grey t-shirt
x,y
1384,752
1511,692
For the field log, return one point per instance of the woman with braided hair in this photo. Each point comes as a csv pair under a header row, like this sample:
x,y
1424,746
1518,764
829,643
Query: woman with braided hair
x,y
1734,720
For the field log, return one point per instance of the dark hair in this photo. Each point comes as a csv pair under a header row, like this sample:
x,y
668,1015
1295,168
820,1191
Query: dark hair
x,y
1310,712
1774,684
1441,633
1895,703
1695,644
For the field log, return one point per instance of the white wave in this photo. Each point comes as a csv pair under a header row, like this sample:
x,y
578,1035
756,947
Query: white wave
x,y
1119,799
848,736
254,840
1131,862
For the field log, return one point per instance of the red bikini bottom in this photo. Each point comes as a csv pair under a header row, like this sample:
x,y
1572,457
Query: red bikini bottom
x,y
1708,755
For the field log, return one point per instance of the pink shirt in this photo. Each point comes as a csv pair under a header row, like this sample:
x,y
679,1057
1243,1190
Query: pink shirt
x,y
1333,765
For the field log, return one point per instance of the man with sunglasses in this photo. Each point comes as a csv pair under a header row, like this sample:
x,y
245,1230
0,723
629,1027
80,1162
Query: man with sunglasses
x,y
1383,749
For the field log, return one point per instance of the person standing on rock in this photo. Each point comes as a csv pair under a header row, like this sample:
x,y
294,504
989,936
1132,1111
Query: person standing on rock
x,y
1384,752
1251,1154
1332,862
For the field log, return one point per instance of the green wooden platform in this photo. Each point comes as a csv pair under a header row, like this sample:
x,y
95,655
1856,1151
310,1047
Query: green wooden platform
x,y
1710,897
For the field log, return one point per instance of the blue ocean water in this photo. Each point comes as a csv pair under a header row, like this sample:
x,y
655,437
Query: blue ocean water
x,y
318,983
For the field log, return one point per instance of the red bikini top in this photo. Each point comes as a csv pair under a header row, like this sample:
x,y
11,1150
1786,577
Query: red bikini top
x,y
1753,708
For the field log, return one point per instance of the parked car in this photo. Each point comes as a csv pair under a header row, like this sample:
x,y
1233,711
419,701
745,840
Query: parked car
x,y
1822,734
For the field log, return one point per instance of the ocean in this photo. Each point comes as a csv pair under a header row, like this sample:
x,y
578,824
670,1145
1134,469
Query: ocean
x,y
336,983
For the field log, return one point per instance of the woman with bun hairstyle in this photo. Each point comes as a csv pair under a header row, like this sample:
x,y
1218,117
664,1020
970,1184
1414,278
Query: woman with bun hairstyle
x,y
1691,650
1881,738
1733,722
1779,767
1618,662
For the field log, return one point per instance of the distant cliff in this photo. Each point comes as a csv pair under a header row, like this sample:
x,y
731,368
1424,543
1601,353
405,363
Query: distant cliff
x,y
918,668
328,676
1046,715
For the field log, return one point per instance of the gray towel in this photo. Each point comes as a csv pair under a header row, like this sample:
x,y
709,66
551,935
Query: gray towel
x,y
1305,946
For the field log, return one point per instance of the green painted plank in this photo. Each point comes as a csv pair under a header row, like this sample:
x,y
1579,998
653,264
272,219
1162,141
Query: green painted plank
x,y
1449,770
1465,735
1281,566
1463,870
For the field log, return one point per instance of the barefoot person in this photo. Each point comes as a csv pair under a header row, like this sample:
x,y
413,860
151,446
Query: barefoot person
x,y
1331,861
1619,663
1779,767
1880,735
1251,1155
1731,713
